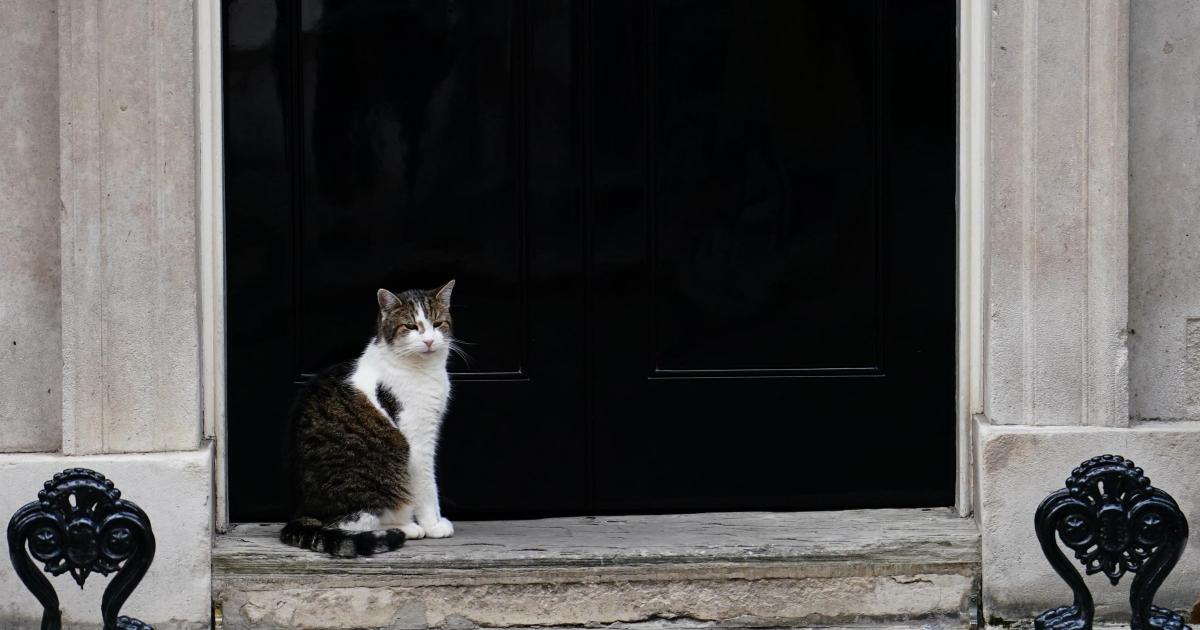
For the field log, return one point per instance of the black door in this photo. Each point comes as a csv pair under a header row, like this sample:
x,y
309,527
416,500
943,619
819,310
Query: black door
x,y
704,248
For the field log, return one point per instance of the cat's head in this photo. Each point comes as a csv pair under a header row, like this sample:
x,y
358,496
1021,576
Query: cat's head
x,y
416,322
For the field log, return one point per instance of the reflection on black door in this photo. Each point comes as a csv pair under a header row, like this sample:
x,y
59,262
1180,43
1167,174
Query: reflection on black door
x,y
704,248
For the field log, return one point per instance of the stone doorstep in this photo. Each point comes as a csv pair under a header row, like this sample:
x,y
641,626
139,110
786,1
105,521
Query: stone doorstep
x,y
915,567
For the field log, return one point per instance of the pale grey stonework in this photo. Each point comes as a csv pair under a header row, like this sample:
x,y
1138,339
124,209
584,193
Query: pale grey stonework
x,y
99,289
130,318
1055,353
1164,199
30,333
753,568
1019,465
1057,255
1090,230
173,489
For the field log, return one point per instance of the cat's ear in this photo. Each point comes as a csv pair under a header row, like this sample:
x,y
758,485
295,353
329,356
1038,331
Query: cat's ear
x,y
442,294
387,300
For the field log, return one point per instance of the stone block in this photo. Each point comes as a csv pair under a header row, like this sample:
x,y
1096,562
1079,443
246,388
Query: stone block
x,y
1019,466
174,489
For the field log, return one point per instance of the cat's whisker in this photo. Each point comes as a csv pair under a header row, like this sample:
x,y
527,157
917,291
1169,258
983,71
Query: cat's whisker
x,y
462,354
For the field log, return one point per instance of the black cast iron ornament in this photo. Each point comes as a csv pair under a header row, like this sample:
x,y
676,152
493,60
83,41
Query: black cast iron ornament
x,y
81,525
1116,523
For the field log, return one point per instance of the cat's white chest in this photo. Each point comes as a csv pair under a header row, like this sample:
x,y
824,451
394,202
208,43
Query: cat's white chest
x,y
420,390
422,396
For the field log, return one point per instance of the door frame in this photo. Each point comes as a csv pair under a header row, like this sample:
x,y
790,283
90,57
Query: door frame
x,y
971,200
210,191
971,203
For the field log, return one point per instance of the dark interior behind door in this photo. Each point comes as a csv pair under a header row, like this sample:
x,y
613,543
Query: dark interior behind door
x,y
704,248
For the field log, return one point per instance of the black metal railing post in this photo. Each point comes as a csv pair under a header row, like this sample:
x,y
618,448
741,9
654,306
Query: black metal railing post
x,y
1115,522
81,525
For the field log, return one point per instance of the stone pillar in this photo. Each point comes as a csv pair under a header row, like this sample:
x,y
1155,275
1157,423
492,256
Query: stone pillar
x,y
1056,366
130,321
100,115
1058,216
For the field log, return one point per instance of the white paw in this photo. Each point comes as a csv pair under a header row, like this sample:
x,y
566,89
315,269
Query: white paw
x,y
412,531
441,529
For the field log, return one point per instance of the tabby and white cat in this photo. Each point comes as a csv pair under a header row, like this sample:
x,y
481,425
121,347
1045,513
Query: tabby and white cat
x,y
364,435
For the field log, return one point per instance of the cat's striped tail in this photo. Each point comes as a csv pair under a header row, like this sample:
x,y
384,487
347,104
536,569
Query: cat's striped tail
x,y
310,533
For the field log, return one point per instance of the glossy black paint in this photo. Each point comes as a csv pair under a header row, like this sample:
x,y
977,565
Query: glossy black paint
x,y
1115,522
81,525
699,244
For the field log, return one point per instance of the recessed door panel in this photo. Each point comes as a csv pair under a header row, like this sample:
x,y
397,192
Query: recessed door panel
x,y
764,199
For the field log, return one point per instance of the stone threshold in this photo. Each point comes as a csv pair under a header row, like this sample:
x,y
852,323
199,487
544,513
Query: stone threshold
x,y
746,569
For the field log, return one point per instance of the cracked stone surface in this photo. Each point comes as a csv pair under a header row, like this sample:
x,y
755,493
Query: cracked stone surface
x,y
699,570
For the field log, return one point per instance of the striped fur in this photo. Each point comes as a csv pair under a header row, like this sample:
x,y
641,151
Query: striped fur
x,y
364,434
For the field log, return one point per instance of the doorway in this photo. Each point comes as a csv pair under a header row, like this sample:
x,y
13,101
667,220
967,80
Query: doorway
x,y
704,249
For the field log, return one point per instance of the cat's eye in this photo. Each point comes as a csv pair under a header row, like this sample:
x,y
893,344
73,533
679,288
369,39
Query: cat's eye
x,y
440,324
411,326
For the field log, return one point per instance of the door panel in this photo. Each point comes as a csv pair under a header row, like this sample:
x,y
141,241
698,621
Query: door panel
x,y
404,161
413,171
704,248
785,273
764,152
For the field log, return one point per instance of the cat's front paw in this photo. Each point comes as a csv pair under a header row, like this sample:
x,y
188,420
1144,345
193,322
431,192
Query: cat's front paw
x,y
412,531
441,529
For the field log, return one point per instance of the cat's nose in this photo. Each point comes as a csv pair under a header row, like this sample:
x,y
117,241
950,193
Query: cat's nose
x,y
429,344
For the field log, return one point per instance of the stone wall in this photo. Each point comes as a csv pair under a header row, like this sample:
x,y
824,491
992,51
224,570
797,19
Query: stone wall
x,y
130,320
99,295
174,491
1092,282
1057,218
1020,465
30,332
1093,272
1164,209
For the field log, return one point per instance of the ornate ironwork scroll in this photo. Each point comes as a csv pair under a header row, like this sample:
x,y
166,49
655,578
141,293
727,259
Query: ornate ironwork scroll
x,y
1116,523
81,525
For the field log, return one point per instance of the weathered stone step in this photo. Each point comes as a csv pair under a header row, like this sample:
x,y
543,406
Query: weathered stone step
x,y
745,569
